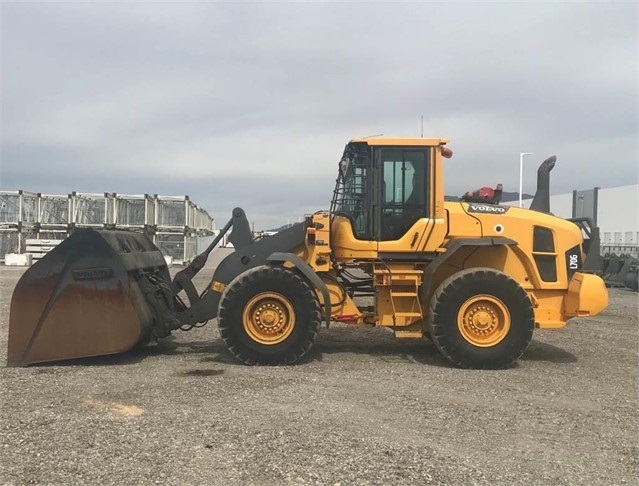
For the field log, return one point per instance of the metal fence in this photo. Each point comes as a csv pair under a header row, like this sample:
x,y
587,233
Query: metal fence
x,y
173,222
182,248
54,212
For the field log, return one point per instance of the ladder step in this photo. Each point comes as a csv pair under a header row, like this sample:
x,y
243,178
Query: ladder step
x,y
396,279
408,314
404,294
406,271
408,334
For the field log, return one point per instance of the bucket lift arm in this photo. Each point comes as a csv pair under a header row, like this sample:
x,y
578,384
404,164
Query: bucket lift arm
x,y
239,237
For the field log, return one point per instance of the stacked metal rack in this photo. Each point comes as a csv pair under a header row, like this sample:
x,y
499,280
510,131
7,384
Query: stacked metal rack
x,y
174,223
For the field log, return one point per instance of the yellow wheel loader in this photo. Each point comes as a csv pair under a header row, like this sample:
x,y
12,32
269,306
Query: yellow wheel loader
x,y
475,277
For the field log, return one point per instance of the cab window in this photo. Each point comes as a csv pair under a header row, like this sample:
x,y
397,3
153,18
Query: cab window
x,y
404,188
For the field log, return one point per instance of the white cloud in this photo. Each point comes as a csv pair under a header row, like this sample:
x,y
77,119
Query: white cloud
x,y
143,97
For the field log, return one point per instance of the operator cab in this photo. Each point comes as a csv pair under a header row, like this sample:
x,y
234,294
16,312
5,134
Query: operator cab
x,y
384,185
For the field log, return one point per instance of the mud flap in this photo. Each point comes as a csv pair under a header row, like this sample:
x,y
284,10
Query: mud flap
x,y
96,293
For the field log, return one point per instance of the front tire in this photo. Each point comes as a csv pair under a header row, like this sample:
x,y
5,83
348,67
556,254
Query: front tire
x,y
269,315
481,318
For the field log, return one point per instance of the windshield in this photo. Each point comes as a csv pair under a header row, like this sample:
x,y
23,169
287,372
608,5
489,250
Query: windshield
x,y
352,189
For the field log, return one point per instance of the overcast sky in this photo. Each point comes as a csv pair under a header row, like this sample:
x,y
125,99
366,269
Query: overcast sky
x,y
250,104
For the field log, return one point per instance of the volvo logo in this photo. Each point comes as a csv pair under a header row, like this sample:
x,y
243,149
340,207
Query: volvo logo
x,y
486,208
92,273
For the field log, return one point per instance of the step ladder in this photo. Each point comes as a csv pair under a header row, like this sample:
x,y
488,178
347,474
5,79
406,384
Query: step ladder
x,y
402,286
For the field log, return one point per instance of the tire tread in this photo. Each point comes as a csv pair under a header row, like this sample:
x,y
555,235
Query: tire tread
x,y
456,285
234,292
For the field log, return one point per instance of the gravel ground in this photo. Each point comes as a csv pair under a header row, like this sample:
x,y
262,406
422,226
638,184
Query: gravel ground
x,y
363,409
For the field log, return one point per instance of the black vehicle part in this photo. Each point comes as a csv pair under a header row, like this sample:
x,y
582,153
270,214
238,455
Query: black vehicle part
x,y
269,315
246,256
481,318
309,274
591,246
451,248
541,200
96,293
183,280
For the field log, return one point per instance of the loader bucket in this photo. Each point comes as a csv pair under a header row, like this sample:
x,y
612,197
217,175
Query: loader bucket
x,y
87,297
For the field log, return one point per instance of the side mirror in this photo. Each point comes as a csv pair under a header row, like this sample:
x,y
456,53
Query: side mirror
x,y
344,167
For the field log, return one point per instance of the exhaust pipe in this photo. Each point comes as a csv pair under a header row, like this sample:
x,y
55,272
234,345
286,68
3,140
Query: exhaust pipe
x,y
541,201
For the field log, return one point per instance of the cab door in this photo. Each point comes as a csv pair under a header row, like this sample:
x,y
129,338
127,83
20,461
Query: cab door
x,y
404,217
403,200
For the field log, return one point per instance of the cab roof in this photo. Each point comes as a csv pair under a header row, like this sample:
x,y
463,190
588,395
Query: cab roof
x,y
425,142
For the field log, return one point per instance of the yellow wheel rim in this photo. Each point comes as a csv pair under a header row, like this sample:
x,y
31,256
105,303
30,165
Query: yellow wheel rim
x,y
483,320
268,318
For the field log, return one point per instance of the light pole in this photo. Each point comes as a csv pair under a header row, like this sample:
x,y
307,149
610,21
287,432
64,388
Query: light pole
x,y
521,176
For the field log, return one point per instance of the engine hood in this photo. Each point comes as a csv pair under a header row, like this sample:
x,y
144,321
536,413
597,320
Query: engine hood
x,y
486,220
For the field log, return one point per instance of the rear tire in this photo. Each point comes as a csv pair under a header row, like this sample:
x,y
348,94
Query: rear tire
x,y
269,315
481,318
